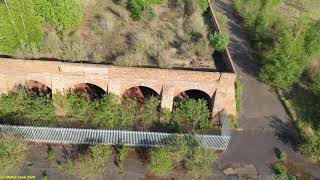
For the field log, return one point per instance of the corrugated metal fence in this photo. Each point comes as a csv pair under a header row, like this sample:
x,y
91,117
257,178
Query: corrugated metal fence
x,y
112,137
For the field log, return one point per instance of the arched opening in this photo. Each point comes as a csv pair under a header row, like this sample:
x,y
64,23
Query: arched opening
x,y
88,90
37,88
194,94
140,93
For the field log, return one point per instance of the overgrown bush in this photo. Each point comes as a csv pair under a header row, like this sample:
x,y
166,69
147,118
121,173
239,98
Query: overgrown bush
x,y
219,41
189,153
20,26
203,5
282,156
142,9
259,16
23,109
90,165
280,171
13,151
285,62
191,115
62,14
148,114
201,161
161,162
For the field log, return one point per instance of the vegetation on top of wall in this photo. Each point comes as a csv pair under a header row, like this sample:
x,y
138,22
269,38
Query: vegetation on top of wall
x,y
142,9
219,41
62,14
19,26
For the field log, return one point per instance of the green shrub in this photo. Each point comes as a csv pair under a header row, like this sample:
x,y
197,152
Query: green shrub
x,y
13,151
219,41
63,14
20,26
189,153
202,161
280,171
259,16
191,115
149,113
142,9
292,178
285,62
23,109
203,5
282,156
90,165
161,163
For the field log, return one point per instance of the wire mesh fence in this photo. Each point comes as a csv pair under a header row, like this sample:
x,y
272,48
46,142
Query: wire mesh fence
x,y
110,137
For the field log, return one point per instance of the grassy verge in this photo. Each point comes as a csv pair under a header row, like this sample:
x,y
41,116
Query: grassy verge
x,y
13,151
90,165
238,89
303,110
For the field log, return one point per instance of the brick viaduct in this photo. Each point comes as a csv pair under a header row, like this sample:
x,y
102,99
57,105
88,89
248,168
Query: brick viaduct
x,y
61,76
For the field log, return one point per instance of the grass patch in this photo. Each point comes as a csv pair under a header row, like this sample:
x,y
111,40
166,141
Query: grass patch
x,y
302,105
13,151
90,165
185,152
238,89
51,155
287,170
20,26
232,121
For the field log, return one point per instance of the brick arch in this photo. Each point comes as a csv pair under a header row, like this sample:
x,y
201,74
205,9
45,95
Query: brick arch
x,y
155,87
196,94
38,81
89,90
72,83
39,88
210,92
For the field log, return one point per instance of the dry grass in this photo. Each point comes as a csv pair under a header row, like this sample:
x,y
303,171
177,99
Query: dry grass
x,y
107,34
296,8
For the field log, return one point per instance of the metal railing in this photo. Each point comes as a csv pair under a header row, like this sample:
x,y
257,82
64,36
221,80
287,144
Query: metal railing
x,y
110,137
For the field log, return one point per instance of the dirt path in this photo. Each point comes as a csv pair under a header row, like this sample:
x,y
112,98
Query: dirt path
x,y
263,118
